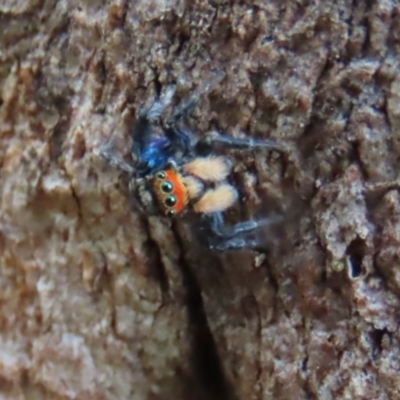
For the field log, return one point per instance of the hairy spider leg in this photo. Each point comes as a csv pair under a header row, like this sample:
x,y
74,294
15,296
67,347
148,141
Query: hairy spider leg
x,y
114,160
187,107
180,134
153,113
151,145
238,236
220,229
179,138
244,143
142,131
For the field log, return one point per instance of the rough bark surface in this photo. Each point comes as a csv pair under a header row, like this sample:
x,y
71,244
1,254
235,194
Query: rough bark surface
x,y
99,302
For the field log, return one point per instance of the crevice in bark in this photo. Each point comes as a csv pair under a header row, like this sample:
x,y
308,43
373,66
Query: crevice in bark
x,y
61,129
206,362
155,264
366,45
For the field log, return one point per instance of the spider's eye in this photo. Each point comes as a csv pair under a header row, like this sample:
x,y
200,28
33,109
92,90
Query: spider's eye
x,y
170,201
167,187
161,175
170,213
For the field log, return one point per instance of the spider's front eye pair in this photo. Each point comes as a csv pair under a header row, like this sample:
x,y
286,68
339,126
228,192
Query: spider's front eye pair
x,y
170,191
170,202
161,175
167,187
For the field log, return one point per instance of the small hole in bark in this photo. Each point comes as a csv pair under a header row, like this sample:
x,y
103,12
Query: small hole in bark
x,y
304,364
268,39
376,338
355,255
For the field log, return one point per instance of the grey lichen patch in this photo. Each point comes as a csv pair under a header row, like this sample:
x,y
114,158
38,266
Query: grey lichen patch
x,y
18,7
369,130
341,213
388,257
338,265
394,111
377,305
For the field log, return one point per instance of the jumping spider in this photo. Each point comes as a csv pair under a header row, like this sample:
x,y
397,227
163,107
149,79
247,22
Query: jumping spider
x,y
174,171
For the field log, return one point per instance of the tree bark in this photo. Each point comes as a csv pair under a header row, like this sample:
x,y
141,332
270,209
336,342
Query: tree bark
x,y
98,301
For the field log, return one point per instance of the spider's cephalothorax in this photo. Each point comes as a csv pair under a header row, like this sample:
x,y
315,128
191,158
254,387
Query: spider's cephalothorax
x,y
177,171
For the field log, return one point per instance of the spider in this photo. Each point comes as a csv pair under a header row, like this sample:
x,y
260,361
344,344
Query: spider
x,y
175,172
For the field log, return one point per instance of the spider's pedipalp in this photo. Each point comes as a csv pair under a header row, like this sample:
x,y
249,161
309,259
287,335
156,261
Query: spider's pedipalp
x,y
216,200
194,186
212,169
141,197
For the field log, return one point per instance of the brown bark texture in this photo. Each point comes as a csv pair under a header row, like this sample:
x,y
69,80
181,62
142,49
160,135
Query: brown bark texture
x,y
98,301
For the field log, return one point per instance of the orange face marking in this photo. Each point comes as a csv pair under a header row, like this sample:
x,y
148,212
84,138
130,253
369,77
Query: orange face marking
x,y
171,192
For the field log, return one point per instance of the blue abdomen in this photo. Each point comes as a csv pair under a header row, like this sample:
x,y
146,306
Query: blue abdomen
x,y
155,156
